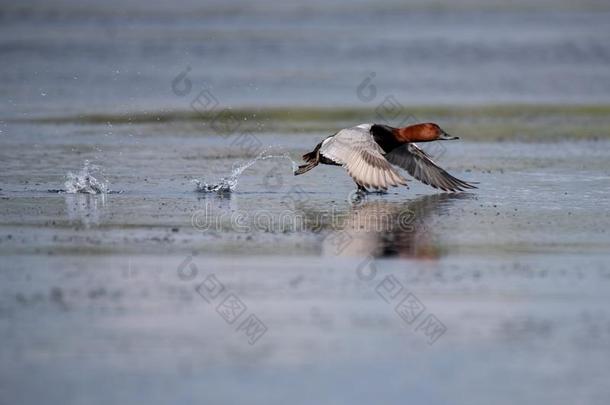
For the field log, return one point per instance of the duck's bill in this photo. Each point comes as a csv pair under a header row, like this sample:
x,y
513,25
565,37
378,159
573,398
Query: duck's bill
x,y
446,137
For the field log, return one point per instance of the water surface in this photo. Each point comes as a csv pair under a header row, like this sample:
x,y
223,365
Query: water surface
x,y
499,295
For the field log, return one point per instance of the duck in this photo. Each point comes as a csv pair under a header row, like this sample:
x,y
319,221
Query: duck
x,y
373,153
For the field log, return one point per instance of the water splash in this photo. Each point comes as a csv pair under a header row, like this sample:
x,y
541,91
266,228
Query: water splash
x,y
84,182
229,184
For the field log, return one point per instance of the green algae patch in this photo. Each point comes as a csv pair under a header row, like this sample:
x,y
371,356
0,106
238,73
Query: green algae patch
x,y
521,122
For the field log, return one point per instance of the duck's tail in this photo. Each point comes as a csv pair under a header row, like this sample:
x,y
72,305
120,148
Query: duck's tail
x,y
305,168
312,159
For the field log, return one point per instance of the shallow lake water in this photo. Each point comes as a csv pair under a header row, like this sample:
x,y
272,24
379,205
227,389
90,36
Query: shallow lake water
x,y
412,294
123,281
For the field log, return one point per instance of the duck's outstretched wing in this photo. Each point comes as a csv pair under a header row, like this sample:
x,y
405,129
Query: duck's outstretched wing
x,y
421,166
356,150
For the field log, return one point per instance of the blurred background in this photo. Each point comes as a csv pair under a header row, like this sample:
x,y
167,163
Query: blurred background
x,y
125,277
75,57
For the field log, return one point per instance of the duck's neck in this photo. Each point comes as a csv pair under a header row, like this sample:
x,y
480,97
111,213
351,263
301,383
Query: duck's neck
x,y
385,137
389,138
407,134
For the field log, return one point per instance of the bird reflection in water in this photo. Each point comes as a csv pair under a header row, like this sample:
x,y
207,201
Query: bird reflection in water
x,y
391,228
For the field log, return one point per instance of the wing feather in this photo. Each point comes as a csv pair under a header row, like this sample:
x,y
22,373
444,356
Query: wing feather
x,y
356,150
421,166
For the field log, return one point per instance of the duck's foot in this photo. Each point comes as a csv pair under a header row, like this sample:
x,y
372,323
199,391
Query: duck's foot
x,y
364,191
358,196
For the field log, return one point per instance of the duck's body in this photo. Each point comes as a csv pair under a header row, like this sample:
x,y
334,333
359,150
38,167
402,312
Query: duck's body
x,y
369,151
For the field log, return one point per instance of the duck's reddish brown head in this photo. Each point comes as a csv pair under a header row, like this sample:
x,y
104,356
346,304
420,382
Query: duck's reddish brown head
x,y
426,132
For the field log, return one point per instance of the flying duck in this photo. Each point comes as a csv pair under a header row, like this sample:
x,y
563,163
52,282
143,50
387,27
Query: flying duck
x,y
369,153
